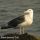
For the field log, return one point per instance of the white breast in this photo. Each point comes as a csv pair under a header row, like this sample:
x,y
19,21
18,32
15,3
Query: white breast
x,y
27,22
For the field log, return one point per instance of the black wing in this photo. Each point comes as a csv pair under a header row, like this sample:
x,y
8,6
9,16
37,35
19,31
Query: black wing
x,y
13,23
16,21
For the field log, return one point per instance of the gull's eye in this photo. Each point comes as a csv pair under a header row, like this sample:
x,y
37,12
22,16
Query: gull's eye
x,y
29,10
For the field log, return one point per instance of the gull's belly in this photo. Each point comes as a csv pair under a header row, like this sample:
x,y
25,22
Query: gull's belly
x,y
25,24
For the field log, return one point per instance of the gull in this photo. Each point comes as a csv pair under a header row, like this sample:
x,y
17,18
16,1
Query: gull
x,y
22,21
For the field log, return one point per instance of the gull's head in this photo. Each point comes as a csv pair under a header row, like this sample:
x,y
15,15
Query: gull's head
x,y
29,11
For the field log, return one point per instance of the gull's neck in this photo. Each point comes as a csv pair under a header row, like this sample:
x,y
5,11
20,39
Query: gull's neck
x,y
29,17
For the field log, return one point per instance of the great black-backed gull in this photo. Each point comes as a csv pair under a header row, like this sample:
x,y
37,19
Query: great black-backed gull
x,y
21,21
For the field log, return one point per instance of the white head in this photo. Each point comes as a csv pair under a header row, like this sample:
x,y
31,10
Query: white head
x,y
29,11
29,14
